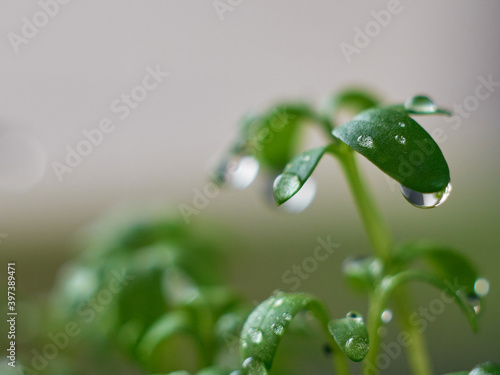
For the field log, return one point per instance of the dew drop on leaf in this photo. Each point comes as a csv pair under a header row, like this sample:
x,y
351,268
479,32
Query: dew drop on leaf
x,y
354,316
420,104
277,329
287,317
386,316
481,287
253,366
357,347
255,335
426,200
400,139
474,301
365,141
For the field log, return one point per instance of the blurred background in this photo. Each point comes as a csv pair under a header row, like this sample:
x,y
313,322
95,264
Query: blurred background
x,y
67,73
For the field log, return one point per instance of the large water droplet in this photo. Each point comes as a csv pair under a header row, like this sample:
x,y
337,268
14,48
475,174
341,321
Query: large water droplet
x,y
255,335
277,329
239,172
420,104
365,141
386,316
254,366
426,200
481,287
304,197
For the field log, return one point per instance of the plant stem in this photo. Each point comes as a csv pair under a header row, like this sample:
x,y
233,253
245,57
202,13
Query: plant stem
x,y
374,225
381,243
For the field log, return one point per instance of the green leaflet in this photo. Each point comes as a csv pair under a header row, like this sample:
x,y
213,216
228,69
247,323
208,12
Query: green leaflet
x,y
296,173
390,283
447,263
399,146
266,325
351,335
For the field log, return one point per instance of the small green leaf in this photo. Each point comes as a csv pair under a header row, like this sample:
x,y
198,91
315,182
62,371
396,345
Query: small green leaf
x,y
167,326
487,368
351,335
390,283
448,263
264,328
356,99
399,146
296,173
362,273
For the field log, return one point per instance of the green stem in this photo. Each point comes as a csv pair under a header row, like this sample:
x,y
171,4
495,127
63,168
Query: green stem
x,y
380,240
374,225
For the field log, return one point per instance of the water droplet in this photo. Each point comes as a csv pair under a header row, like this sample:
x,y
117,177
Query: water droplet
x,y
386,316
481,287
426,200
354,316
356,347
287,317
278,302
402,124
365,141
400,139
300,201
244,344
254,366
420,104
474,301
255,335
306,157
239,172
277,329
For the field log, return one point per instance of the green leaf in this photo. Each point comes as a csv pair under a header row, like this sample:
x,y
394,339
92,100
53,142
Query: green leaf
x,y
264,328
272,138
296,173
167,326
399,146
351,335
446,262
390,283
363,273
487,368
354,99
